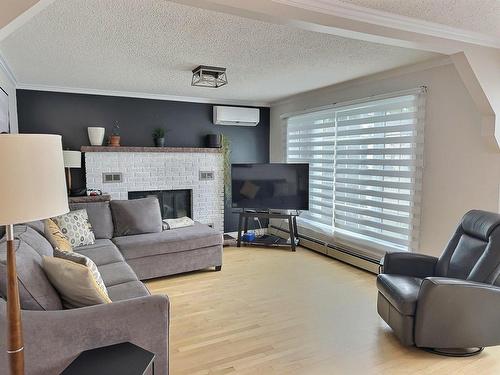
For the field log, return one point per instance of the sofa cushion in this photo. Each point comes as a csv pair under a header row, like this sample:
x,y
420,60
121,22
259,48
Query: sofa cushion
x,y
37,225
401,291
168,241
34,239
35,290
117,273
131,289
102,252
100,218
136,216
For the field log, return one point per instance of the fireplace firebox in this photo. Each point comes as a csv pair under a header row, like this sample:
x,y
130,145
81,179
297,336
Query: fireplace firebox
x,y
173,203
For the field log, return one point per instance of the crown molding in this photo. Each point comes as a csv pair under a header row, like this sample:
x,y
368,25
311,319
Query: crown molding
x,y
395,21
140,95
8,72
23,18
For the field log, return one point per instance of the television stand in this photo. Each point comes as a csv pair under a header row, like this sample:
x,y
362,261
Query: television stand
x,y
268,240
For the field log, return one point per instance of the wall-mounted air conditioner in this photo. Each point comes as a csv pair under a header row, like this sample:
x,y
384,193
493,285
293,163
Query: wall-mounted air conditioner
x,y
236,116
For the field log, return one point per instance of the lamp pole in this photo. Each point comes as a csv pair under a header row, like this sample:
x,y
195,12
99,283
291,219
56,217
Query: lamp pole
x,y
15,348
25,158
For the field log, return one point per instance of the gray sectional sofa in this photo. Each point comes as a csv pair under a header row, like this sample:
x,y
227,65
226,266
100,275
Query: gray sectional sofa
x,y
54,336
156,254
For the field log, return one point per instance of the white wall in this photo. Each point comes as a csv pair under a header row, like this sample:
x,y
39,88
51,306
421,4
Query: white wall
x,y
461,167
8,85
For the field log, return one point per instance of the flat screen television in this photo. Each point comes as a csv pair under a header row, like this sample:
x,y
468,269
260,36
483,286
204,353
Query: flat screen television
x,y
270,186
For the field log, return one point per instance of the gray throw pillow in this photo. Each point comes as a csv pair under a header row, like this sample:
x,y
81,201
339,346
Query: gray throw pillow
x,y
99,216
136,216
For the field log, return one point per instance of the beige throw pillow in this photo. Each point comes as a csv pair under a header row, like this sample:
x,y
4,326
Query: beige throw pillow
x,y
76,278
56,238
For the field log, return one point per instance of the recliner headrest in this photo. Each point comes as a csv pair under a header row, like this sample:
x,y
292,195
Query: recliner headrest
x,y
480,224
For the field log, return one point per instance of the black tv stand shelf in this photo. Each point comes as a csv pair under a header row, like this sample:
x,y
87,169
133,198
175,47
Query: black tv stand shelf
x,y
268,240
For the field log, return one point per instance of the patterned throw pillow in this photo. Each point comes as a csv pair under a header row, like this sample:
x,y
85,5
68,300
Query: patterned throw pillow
x,y
76,278
56,238
75,225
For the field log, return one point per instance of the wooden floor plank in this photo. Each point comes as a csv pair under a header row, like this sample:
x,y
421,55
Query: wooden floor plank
x,y
271,311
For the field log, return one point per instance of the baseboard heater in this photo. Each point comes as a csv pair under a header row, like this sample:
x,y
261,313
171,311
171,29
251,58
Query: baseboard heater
x,y
339,252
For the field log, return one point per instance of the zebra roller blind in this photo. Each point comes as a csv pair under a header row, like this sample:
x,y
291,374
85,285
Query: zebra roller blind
x,y
311,139
366,168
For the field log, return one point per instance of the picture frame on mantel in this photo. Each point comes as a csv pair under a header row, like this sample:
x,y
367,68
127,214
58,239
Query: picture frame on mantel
x,y
4,112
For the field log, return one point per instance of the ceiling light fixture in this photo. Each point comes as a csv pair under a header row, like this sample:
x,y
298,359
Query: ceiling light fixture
x,y
209,76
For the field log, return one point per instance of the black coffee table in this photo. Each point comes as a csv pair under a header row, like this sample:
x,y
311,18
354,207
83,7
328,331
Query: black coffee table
x,y
124,359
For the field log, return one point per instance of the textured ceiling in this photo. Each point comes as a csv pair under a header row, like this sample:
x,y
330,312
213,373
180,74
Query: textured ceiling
x,y
475,15
151,46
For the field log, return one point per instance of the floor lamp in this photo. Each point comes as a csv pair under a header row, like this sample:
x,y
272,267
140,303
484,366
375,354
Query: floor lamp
x,y
32,187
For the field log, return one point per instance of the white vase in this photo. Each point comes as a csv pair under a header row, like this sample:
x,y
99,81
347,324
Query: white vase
x,y
96,135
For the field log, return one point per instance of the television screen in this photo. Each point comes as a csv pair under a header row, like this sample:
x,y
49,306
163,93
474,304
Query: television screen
x,y
270,186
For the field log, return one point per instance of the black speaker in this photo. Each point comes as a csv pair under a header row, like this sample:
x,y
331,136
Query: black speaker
x,y
214,140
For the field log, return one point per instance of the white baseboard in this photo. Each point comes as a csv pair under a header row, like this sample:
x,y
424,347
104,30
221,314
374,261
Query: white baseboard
x,y
328,250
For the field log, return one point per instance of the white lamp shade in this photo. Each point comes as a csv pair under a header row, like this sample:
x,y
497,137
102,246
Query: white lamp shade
x,y
72,159
32,182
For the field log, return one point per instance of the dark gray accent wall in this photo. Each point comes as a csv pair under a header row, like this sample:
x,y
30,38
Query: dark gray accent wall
x,y
70,114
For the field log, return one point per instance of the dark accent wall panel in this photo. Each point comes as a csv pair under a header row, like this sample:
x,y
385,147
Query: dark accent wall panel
x,y
70,114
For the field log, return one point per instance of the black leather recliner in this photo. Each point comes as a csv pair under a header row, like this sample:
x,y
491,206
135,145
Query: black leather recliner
x,y
450,304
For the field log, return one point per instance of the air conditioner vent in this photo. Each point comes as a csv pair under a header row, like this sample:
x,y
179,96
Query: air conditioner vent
x,y
236,116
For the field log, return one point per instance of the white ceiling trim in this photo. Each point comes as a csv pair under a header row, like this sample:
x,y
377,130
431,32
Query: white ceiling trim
x,y
391,20
141,95
8,72
23,18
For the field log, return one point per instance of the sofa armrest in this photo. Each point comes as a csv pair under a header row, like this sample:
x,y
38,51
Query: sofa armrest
x,y
453,313
409,264
52,339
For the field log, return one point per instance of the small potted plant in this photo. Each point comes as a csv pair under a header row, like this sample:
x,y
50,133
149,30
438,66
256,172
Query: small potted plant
x,y
159,137
114,139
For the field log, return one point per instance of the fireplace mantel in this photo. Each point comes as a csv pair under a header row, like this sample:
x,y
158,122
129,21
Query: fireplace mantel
x,y
149,149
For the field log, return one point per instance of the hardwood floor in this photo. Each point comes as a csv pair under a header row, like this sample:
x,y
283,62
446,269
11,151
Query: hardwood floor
x,y
271,311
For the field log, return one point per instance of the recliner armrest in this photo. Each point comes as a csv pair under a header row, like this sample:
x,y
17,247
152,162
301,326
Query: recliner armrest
x,y
409,264
454,313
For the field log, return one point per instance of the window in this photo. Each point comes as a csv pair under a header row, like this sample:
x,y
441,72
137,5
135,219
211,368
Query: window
x,y
365,168
311,139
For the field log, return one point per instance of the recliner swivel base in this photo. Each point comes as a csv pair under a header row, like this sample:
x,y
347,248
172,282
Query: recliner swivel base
x,y
455,352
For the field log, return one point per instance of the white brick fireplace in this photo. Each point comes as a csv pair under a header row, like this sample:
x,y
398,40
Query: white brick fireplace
x,y
146,169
